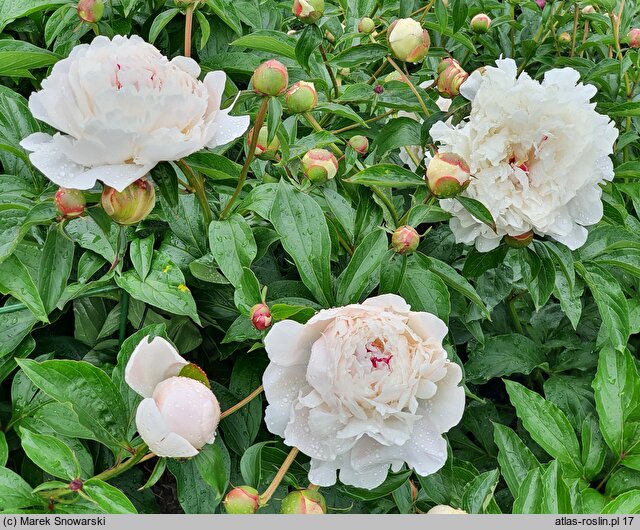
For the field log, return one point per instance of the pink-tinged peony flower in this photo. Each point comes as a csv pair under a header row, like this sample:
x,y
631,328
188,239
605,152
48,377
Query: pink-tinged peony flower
x,y
121,107
178,415
362,388
445,509
531,169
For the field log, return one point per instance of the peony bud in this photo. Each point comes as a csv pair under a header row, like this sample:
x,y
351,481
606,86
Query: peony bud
x,y
242,500
360,144
445,509
588,10
271,78
447,175
378,89
90,10
393,76
301,97
450,77
366,25
76,484
519,241
304,502
308,11
131,205
480,23
260,316
264,151
564,38
70,203
407,40
405,240
541,3
319,165
634,37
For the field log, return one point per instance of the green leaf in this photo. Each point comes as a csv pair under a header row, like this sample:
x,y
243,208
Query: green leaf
x,y
594,450
305,236
269,41
361,268
16,281
107,497
308,42
514,457
57,260
477,263
156,474
205,29
251,464
478,210
160,22
233,246
187,223
356,55
399,132
13,9
555,492
628,502
387,176
141,253
18,57
529,499
546,424
393,482
50,454
248,292
90,235
15,492
425,291
88,391
165,178
479,492
226,11
4,449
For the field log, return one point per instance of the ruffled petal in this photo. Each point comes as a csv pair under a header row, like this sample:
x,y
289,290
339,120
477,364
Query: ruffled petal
x,y
281,387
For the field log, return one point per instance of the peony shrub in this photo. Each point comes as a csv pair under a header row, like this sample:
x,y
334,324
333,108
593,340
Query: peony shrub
x,y
316,257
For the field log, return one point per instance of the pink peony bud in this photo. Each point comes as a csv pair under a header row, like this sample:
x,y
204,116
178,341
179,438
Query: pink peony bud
x,y
260,316
90,10
450,77
445,509
366,25
271,78
308,11
588,10
564,38
447,175
319,165
309,502
407,40
131,205
264,151
405,240
541,3
360,144
242,500
378,89
519,241
76,484
70,203
634,37
301,97
480,23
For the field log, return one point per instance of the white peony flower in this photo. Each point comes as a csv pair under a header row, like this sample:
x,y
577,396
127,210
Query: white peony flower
x,y
537,152
178,415
445,509
122,107
361,388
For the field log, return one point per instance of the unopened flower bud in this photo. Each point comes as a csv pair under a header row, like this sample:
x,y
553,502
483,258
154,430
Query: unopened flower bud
x,y
408,40
366,25
564,38
90,10
541,3
450,77
480,23
271,78
634,37
260,316
131,205
360,144
319,165
308,11
301,97
263,150
76,484
445,509
405,240
304,502
378,89
344,72
242,500
447,175
393,76
70,203
330,37
588,10
520,240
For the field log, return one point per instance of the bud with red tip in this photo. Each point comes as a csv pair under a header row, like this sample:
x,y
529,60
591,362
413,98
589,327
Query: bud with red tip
x,y
301,97
70,203
480,23
366,25
76,484
242,500
260,316
90,10
360,144
634,37
520,240
450,77
405,240
588,10
264,150
407,40
309,502
319,165
564,38
308,11
541,3
271,78
447,175
131,205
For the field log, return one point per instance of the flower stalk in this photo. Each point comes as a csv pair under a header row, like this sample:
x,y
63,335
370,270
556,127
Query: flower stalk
x,y
242,403
266,496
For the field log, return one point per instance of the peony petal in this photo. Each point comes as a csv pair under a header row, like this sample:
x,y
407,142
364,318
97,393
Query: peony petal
x,y
444,410
391,302
323,473
155,433
186,64
428,326
215,83
426,451
150,363
225,128
369,479
281,387
288,344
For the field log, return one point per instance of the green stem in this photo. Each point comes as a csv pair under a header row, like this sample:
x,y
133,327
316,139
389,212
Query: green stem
x,y
262,112
318,128
91,292
242,403
387,202
197,184
124,313
334,81
514,315
411,86
264,498
140,455
576,13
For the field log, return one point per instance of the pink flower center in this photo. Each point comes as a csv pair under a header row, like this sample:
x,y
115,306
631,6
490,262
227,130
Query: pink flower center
x,y
376,351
